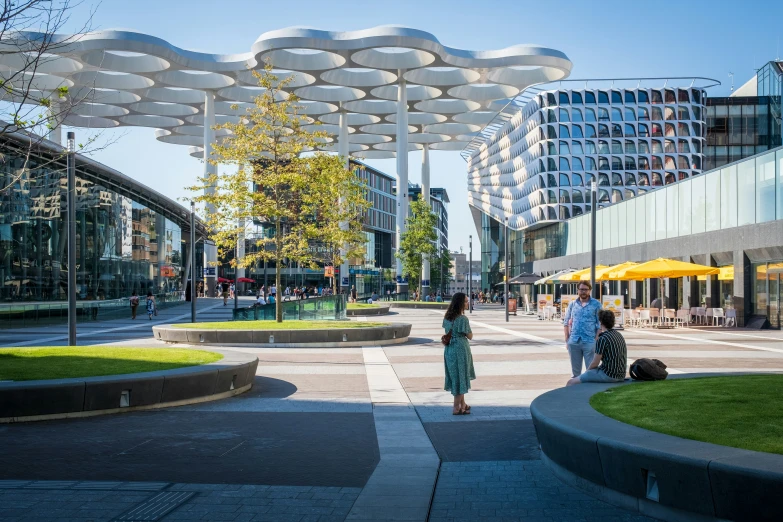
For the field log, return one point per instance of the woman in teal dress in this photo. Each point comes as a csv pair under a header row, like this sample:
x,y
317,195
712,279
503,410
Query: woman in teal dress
x,y
457,358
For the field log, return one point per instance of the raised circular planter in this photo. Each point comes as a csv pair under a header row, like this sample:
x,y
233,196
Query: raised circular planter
x,y
88,396
426,306
366,312
392,333
659,475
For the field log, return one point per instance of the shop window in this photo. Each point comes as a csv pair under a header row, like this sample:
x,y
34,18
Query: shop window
x,y
657,147
644,131
590,131
617,114
629,97
589,98
643,98
603,97
577,148
643,163
670,178
630,179
590,147
630,147
657,113
564,98
644,147
577,163
564,149
630,163
617,130
564,117
669,146
564,132
589,114
629,130
576,115
576,131
603,179
617,97
657,162
657,180
617,179
603,130
642,114
670,98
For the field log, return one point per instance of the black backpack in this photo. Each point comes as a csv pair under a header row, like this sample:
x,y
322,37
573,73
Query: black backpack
x,y
648,370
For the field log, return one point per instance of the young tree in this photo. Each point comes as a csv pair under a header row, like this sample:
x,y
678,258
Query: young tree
x,y
298,195
418,240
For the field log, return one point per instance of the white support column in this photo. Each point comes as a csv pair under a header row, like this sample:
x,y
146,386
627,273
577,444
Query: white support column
x,y
425,196
210,250
343,151
402,173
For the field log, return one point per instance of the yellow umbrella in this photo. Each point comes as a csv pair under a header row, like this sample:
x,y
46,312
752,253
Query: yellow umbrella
x,y
726,274
552,278
582,274
604,273
662,268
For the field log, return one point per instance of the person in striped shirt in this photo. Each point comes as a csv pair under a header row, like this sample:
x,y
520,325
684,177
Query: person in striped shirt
x,y
611,354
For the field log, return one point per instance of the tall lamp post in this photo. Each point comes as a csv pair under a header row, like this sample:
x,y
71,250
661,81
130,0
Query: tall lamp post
x,y
470,271
505,277
192,261
593,207
71,201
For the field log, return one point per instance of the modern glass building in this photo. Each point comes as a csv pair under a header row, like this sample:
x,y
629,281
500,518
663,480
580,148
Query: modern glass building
x,y
128,237
439,199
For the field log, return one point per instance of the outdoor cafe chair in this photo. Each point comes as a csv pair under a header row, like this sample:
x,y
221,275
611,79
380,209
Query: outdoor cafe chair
x,y
701,315
683,317
655,316
717,315
731,317
670,316
708,318
644,318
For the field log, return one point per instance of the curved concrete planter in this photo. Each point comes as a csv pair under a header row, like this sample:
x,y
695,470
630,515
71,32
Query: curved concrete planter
x,y
88,396
366,312
392,333
435,306
658,475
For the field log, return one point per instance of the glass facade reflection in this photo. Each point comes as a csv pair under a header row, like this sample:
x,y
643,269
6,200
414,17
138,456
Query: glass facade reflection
x,y
121,245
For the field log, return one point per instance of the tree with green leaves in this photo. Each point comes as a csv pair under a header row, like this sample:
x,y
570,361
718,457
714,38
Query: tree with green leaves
x,y
301,196
441,264
417,241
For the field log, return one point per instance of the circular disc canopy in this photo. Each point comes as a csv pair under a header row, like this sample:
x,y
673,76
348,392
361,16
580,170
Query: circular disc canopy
x,y
120,78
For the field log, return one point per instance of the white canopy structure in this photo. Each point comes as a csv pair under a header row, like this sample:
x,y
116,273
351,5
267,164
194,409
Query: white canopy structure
x,y
379,91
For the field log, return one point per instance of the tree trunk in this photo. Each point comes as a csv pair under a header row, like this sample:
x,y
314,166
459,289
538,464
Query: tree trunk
x,y
278,258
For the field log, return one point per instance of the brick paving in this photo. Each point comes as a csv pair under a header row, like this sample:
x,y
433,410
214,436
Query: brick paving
x,y
336,434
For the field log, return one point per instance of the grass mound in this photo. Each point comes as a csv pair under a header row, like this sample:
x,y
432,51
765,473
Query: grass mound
x,y
743,411
361,306
63,362
273,325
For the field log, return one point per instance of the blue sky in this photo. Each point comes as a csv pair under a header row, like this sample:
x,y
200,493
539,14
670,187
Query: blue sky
x,y
603,39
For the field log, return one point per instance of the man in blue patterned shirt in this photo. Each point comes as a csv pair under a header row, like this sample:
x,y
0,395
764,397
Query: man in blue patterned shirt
x,y
581,326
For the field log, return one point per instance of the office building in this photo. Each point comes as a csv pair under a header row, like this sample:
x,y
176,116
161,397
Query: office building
x,y
439,198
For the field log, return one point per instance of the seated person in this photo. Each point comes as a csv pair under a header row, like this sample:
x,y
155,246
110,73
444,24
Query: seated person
x,y
610,361
271,299
260,301
439,299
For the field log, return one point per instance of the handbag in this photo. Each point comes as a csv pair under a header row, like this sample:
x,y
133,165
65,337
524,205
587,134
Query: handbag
x,y
446,339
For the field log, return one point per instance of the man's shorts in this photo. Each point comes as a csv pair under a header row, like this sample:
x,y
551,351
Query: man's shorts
x,y
596,375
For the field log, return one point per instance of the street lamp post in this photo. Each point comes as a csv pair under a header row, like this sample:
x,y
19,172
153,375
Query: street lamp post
x,y
470,271
593,207
71,201
505,278
192,262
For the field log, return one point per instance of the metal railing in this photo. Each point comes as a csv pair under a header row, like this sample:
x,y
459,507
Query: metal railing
x,y
329,308
21,315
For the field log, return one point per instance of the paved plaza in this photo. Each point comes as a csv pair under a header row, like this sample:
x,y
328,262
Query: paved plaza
x,y
326,434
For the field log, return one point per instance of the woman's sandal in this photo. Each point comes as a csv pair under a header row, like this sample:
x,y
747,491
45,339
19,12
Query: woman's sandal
x,y
460,412
467,409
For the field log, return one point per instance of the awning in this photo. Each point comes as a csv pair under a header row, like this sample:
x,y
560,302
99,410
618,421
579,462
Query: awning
x,y
554,277
574,277
524,279
603,274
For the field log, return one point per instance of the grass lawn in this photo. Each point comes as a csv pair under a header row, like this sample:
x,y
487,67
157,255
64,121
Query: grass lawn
x,y
24,364
273,325
361,306
742,412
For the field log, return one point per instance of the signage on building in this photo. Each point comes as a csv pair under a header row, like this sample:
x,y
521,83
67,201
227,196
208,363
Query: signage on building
x,y
167,271
565,300
545,300
328,271
210,271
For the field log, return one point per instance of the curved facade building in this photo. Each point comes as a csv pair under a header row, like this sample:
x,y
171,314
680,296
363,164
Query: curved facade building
x,y
538,167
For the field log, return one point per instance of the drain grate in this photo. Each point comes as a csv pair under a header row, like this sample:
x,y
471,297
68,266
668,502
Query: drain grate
x,y
156,507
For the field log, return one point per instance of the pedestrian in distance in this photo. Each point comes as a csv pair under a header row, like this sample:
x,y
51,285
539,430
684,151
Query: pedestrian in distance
x,y
581,327
134,304
151,305
457,357
224,288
